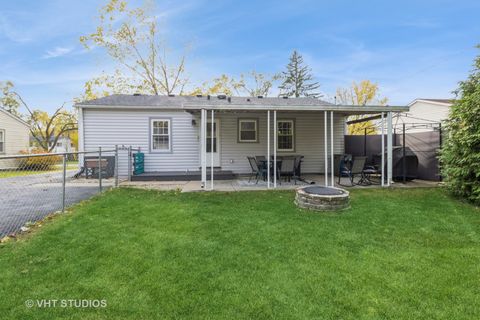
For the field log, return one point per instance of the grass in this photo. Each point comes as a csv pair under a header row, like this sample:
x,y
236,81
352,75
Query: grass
x,y
396,254
71,165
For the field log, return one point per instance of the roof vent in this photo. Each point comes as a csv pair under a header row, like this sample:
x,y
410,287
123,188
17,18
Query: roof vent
x,y
260,97
171,95
285,97
136,94
199,96
248,99
222,96
208,97
229,99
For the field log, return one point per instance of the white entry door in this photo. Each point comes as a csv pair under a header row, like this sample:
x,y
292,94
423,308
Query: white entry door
x,y
215,148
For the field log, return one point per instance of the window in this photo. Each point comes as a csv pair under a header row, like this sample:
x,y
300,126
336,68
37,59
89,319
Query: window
x,y
160,131
247,130
2,141
285,135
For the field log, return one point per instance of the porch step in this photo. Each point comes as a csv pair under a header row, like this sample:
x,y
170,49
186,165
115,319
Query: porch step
x,y
183,176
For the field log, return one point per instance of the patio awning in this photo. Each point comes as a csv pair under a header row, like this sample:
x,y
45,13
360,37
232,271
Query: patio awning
x,y
344,109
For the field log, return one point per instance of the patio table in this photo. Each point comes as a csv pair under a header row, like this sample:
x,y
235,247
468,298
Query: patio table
x,y
263,163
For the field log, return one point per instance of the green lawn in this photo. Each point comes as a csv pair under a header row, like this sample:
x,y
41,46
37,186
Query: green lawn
x,y
71,165
396,254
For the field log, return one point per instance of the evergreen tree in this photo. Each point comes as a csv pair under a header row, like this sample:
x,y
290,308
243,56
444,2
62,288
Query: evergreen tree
x,y
460,157
298,80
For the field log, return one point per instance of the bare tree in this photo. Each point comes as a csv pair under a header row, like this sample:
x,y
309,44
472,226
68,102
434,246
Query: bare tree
x,y
130,37
48,129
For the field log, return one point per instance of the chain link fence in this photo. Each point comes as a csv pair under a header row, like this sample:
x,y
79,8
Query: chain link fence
x,y
33,186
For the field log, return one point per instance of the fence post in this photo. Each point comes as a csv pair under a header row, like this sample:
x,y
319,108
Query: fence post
x,y
365,142
404,160
440,149
130,163
100,168
64,180
116,165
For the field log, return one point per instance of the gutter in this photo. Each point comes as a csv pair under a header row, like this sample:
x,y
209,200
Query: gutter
x,y
255,107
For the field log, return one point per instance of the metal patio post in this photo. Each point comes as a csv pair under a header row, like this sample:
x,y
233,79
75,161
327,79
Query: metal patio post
x,y
212,145
389,148
268,149
331,150
274,148
325,115
202,147
383,150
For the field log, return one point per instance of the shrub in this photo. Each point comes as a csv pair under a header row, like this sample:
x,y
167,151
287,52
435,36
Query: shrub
x,y
38,162
460,157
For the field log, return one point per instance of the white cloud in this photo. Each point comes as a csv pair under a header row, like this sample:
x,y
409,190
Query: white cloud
x,y
57,52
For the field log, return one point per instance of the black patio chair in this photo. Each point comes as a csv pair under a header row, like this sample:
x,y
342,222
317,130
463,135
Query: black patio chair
x,y
259,159
298,166
370,175
287,169
341,165
357,169
256,169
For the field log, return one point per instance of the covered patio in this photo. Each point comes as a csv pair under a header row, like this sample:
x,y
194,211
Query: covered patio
x,y
327,112
242,184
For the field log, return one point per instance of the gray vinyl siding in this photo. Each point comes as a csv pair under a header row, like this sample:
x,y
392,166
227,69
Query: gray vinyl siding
x,y
107,128
309,140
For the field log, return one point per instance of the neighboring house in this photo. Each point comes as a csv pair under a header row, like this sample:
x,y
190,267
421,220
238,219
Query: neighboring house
x,y
424,115
14,133
63,144
168,129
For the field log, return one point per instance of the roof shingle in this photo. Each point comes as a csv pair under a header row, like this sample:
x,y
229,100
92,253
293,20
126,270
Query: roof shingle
x,y
179,101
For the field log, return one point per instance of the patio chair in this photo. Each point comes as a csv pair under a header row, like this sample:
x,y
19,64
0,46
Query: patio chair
x,y
260,159
358,166
341,162
256,169
287,169
370,176
298,166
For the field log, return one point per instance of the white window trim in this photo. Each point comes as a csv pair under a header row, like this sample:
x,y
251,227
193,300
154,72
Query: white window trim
x,y
169,135
293,135
4,141
240,130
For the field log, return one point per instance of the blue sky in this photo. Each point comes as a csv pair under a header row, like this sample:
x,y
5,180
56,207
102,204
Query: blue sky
x,y
410,48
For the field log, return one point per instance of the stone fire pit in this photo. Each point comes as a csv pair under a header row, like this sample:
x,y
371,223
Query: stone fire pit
x,y
322,198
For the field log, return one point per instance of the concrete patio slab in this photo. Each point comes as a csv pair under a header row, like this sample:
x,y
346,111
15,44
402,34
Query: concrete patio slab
x,y
242,184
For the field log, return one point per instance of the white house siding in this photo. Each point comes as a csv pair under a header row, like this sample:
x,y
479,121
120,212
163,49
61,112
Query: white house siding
x,y
107,128
16,134
422,112
309,139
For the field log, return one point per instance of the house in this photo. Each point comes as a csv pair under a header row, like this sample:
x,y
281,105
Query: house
x,y
175,132
424,115
14,133
63,144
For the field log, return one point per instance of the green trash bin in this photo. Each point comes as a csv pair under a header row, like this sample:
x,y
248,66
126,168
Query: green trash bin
x,y
138,163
